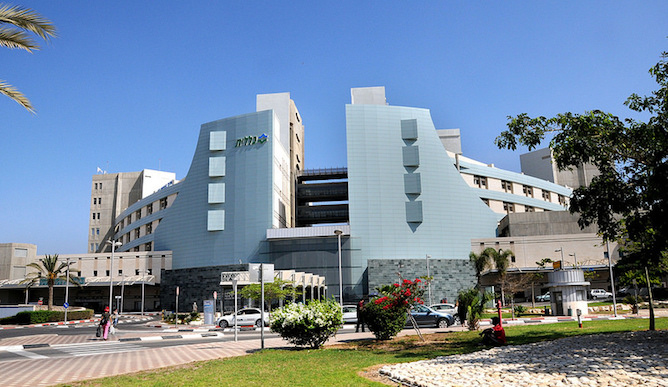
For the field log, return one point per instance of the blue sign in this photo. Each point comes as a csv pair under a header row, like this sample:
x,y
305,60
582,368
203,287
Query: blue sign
x,y
66,305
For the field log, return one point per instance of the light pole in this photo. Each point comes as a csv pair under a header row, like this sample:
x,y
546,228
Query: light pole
x,y
67,288
111,270
143,281
338,234
575,259
561,249
431,301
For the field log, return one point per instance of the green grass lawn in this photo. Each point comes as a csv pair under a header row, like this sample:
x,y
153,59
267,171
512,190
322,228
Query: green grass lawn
x,y
339,365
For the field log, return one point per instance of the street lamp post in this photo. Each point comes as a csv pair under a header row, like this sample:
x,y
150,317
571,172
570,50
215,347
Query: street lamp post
x,y
612,279
67,288
561,249
143,281
431,301
575,259
338,234
111,270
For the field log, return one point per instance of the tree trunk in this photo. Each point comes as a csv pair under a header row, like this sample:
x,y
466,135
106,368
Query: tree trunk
x,y
50,303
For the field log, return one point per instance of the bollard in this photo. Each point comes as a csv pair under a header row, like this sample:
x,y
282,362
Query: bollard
x,y
579,313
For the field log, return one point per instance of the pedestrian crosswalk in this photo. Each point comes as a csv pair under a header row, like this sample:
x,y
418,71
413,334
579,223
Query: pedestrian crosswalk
x,y
98,348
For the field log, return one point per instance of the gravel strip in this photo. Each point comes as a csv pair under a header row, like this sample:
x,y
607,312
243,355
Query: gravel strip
x,y
619,359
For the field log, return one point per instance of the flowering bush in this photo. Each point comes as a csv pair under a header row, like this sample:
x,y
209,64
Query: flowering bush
x,y
310,324
386,314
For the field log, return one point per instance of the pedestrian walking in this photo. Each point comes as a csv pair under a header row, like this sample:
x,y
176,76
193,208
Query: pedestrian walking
x,y
105,322
360,316
114,322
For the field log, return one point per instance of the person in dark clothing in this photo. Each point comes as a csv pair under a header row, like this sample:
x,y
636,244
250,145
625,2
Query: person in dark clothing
x,y
494,336
105,322
360,318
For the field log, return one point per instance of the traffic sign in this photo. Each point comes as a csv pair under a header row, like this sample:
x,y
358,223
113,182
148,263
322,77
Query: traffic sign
x,y
39,302
66,305
215,295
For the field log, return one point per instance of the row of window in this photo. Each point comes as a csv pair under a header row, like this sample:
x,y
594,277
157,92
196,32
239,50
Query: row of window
x,y
120,272
96,216
138,214
97,201
98,185
94,231
507,186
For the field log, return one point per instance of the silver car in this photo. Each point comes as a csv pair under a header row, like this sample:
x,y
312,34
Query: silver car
x,y
349,314
244,317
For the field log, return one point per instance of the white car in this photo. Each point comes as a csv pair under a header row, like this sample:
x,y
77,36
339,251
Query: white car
x,y
445,308
600,293
244,317
349,314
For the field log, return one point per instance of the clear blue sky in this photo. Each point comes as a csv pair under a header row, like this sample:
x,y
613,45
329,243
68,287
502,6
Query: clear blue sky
x,y
127,84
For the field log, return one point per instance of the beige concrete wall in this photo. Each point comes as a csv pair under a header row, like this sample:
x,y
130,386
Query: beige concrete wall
x,y
13,259
588,248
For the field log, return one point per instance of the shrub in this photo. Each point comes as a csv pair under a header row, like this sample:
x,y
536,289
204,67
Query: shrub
x,y
310,324
520,310
474,304
385,315
43,316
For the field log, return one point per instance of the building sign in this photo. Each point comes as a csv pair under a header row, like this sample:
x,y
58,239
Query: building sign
x,y
61,281
251,140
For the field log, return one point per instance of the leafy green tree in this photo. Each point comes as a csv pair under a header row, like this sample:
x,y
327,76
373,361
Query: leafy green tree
x,y
480,263
277,290
52,270
471,306
627,200
17,25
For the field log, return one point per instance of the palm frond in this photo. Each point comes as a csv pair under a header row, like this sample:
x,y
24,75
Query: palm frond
x,y
13,38
28,20
16,95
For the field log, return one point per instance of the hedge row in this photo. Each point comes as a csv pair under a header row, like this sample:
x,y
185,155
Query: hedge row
x,y
43,316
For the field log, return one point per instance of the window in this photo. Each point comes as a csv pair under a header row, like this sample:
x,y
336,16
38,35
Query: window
x,y
136,232
147,246
95,185
92,247
486,201
94,201
507,186
480,181
138,214
150,271
149,228
93,216
149,209
508,207
99,200
92,231
528,190
562,200
107,273
100,185
94,273
163,203
136,271
529,209
547,196
136,248
97,231
120,272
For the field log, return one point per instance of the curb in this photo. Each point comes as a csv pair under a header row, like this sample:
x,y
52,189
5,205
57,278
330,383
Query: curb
x,y
72,322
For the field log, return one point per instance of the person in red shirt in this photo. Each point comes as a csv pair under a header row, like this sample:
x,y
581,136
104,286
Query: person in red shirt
x,y
495,335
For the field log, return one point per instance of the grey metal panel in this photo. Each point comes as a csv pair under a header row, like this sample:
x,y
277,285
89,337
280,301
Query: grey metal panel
x,y
411,156
414,212
412,183
409,130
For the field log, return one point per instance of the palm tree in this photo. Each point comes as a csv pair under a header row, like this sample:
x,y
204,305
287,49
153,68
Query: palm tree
x,y
16,26
49,268
501,262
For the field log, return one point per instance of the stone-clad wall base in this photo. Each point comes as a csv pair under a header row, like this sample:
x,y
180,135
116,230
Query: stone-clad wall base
x,y
450,275
195,285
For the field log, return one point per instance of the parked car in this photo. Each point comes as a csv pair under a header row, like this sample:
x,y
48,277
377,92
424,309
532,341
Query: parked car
x,y
349,314
445,308
427,317
600,293
244,317
543,298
